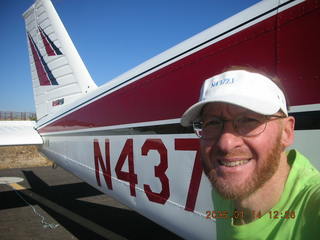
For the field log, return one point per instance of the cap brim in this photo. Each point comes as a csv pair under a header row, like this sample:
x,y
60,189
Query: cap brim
x,y
192,113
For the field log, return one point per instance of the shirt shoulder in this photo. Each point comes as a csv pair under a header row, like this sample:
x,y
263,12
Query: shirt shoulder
x,y
302,170
307,200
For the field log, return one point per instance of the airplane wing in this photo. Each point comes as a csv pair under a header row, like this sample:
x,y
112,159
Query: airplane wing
x,y
19,133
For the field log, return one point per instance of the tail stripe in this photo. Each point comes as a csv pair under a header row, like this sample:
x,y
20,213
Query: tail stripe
x,y
44,74
46,44
50,47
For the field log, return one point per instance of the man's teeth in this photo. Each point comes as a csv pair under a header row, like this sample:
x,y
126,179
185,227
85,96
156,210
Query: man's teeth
x,y
233,163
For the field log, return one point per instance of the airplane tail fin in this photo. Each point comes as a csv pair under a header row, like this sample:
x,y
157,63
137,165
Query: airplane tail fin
x,y
59,76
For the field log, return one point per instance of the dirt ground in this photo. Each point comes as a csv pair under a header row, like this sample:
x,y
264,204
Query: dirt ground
x,y
21,157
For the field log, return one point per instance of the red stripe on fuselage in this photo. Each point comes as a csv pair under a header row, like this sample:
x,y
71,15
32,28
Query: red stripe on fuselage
x,y
282,45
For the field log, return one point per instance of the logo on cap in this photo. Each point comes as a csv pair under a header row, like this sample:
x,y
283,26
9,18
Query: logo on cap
x,y
222,82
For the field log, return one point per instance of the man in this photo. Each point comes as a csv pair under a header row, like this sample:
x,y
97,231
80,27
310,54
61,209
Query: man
x,y
262,191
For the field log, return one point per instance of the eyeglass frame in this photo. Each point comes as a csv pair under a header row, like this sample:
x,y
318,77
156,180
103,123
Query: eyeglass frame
x,y
235,126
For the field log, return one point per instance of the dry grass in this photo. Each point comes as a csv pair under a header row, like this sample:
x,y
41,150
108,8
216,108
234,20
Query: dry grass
x,y
21,157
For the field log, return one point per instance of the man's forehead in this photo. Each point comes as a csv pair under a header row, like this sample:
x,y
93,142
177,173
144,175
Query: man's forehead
x,y
224,109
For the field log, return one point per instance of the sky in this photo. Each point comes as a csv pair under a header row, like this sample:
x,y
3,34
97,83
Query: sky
x,y
111,36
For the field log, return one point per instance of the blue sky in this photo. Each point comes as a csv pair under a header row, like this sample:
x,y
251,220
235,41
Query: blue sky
x,y
111,36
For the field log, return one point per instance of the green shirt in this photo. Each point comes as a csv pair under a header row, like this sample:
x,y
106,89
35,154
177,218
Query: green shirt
x,y
295,216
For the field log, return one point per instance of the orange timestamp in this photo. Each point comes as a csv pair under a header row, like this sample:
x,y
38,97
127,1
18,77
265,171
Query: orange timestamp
x,y
236,214
218,214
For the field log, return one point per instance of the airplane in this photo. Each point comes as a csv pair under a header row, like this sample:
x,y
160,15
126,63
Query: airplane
x,y
124,138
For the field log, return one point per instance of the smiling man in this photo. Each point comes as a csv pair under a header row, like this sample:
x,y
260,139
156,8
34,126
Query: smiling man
x,y
244,128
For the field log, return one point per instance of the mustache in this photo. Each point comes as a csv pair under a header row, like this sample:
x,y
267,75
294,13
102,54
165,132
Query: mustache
x,y
236,153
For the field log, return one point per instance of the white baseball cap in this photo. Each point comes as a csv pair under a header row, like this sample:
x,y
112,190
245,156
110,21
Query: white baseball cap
x,y
249,90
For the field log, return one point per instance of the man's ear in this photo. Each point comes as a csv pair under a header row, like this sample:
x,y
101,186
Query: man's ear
x,y
288,131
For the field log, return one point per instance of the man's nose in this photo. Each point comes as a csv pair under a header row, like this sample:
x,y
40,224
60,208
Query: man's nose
x,y
229,138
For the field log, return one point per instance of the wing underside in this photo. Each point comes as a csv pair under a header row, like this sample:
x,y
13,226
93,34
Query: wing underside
x,y
19,133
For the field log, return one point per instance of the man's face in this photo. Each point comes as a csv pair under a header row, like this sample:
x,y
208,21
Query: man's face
x,y
237,166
